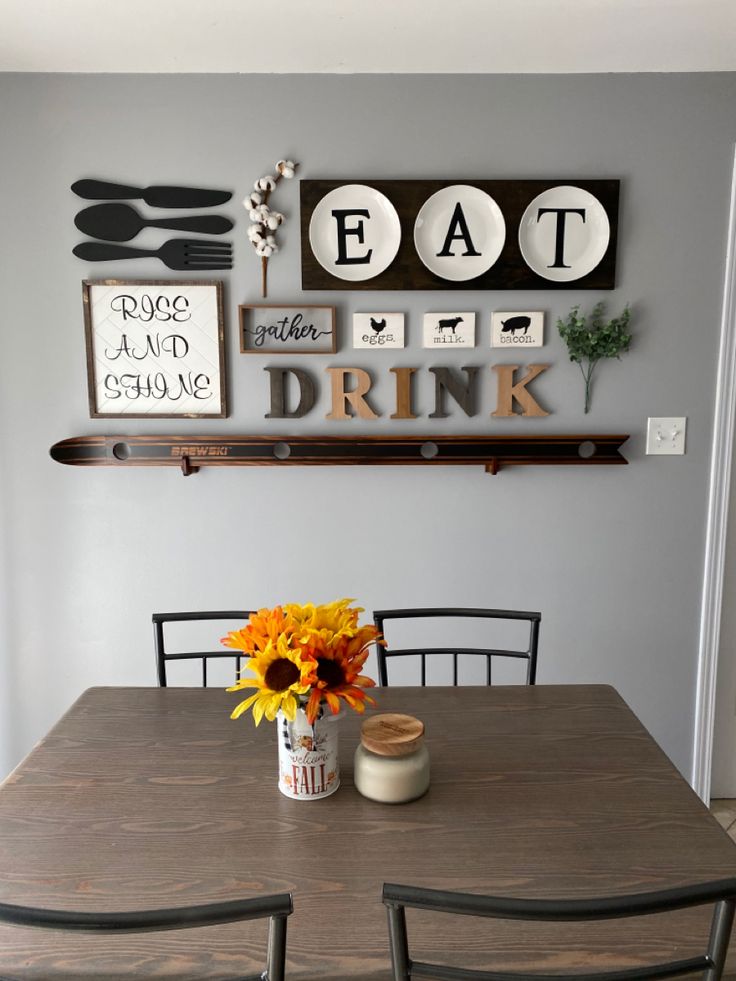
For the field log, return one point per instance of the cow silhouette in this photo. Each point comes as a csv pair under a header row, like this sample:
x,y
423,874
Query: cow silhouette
x,y
378,325
449,324
513,324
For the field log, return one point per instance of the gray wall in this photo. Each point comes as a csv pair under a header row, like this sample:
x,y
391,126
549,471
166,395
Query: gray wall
x,y
612,557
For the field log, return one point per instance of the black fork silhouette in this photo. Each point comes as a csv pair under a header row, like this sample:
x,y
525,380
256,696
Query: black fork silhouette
x,y
177,253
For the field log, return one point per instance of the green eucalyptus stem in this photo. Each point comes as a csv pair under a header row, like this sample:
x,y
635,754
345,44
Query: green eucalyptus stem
x,y
589,344
588,378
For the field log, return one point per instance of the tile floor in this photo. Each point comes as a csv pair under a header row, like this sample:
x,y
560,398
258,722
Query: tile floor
x,y
724,811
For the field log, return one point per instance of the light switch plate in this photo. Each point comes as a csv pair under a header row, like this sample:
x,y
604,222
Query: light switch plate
x,y
666,436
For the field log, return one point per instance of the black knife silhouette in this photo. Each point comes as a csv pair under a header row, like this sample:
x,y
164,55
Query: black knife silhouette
x,y
155,197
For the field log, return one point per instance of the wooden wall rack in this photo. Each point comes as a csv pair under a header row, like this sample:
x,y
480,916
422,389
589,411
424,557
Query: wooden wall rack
x,y
192,452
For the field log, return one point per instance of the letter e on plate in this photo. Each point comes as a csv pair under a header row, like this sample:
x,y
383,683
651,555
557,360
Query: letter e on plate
x,y
354,232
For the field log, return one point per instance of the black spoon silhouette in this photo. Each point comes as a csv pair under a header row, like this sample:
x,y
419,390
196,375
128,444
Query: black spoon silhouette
x,y
121,222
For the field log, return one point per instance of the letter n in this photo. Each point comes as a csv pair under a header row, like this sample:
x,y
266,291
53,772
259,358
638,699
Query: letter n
x,y
445,380
508,391
278,393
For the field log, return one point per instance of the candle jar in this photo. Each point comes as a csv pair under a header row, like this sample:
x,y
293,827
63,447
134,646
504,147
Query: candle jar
x,y
392,762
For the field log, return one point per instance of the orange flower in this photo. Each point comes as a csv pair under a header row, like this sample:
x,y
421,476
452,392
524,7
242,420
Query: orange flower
x,y
263,627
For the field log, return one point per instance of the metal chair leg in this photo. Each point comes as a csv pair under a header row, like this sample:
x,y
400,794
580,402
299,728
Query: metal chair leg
x,y
399,945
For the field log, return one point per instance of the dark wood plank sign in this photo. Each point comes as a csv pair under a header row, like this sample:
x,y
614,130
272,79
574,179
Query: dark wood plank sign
x,y
471,234
192,452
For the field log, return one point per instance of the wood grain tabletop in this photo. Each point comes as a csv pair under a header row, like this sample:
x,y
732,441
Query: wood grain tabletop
x,y
149,797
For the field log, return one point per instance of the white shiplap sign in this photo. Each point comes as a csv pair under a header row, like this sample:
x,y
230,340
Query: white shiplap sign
x,y
154,348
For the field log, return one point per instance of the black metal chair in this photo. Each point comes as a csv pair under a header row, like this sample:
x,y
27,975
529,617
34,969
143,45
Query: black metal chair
x,y
277,908
710,964
163,656
529,654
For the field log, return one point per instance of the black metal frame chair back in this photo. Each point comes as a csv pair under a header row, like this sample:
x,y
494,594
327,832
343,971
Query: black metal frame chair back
x,y
277,908
386,652
722,894
163,656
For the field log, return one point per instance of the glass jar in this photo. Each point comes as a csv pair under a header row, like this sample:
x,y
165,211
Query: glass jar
x,y
392,762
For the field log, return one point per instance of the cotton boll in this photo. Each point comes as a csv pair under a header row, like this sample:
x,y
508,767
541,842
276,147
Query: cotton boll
x,y
267,183
273,222
255,216
255,233
286,168
265,250
270,240
252,201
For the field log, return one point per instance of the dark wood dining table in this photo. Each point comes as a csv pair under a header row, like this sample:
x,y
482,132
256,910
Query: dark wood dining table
x,y
149,797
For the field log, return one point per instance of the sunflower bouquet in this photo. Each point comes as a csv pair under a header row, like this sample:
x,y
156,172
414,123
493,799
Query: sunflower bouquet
x,y
304,656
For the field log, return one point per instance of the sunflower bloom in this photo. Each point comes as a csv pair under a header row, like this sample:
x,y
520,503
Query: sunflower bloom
x,y
281,676
336,675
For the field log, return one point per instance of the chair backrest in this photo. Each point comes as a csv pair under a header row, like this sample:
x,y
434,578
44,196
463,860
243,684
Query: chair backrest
x,y
277,908
709,964
529,653
163,656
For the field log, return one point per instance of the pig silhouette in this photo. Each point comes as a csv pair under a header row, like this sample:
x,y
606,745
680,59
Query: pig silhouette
x,y
513,324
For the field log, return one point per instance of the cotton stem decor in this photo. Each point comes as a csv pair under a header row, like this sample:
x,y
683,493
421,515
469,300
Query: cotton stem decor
x,y
265,221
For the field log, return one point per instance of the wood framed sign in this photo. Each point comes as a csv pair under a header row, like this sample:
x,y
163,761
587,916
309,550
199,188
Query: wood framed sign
x,y
305,329
155,349
471,234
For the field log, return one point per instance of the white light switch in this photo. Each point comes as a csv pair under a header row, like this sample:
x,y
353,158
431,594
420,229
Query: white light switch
x,y
666,437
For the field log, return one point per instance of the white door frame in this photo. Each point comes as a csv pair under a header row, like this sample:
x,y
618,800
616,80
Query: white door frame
x,y
718,505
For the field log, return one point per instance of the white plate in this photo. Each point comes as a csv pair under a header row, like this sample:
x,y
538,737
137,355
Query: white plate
x,y
480,218
376,235
584,244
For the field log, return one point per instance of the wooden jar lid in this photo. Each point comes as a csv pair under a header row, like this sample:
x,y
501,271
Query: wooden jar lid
x,y
392,734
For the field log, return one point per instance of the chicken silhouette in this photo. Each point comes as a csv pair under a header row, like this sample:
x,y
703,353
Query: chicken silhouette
x,y
378,325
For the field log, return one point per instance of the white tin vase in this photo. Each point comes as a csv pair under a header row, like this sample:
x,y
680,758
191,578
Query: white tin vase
x,y
308,764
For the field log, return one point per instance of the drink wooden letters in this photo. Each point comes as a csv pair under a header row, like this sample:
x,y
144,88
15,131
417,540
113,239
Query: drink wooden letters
x,y
350,387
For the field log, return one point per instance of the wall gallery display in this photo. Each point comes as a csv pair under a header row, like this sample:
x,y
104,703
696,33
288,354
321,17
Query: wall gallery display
x,y
449,330
384,330
479,234
512,329
305,329
154,349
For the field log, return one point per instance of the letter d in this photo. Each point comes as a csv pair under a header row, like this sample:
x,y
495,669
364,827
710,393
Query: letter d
x,y
307,393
